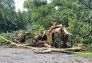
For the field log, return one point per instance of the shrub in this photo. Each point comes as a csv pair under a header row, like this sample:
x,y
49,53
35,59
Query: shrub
x,y
8,36
89,48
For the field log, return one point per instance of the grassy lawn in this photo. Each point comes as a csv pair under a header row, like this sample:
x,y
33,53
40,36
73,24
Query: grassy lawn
x,y
84,54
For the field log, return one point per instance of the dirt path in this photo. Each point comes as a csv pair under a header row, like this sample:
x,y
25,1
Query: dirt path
x,y
20,55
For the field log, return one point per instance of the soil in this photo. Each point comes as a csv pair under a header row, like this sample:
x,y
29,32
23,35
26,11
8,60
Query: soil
x,y
22,55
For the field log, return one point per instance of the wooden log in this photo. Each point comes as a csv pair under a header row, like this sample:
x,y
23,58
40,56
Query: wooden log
x,y
48,50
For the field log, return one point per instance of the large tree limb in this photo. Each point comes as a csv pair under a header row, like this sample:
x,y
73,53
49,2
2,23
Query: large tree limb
x,y
45,50
48,50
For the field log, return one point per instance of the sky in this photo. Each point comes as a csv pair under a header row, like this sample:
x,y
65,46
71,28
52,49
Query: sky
x,y
19,4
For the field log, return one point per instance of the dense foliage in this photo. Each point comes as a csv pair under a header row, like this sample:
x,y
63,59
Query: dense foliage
x,y
9,19
76,15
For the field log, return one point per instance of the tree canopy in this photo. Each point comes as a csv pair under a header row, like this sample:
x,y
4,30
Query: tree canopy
x,y
76,15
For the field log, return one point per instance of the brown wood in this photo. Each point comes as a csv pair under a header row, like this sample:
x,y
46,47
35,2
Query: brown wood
x,y
48,50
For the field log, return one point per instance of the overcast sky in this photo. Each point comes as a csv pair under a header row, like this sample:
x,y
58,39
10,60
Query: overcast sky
x,y
19,4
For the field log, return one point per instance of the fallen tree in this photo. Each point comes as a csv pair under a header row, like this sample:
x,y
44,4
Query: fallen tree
x,y
44,49
56,30
49,50
63,50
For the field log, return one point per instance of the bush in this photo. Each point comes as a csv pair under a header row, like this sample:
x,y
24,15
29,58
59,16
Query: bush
x,y
34,29
89,48
2,41
8,36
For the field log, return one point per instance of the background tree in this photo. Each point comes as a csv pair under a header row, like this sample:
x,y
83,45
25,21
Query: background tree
x,y
74,14
10,20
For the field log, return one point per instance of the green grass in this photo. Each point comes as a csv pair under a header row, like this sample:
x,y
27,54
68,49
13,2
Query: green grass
x,y
84,54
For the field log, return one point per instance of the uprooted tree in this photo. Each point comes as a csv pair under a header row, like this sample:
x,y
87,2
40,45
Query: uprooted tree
x,y
47,39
